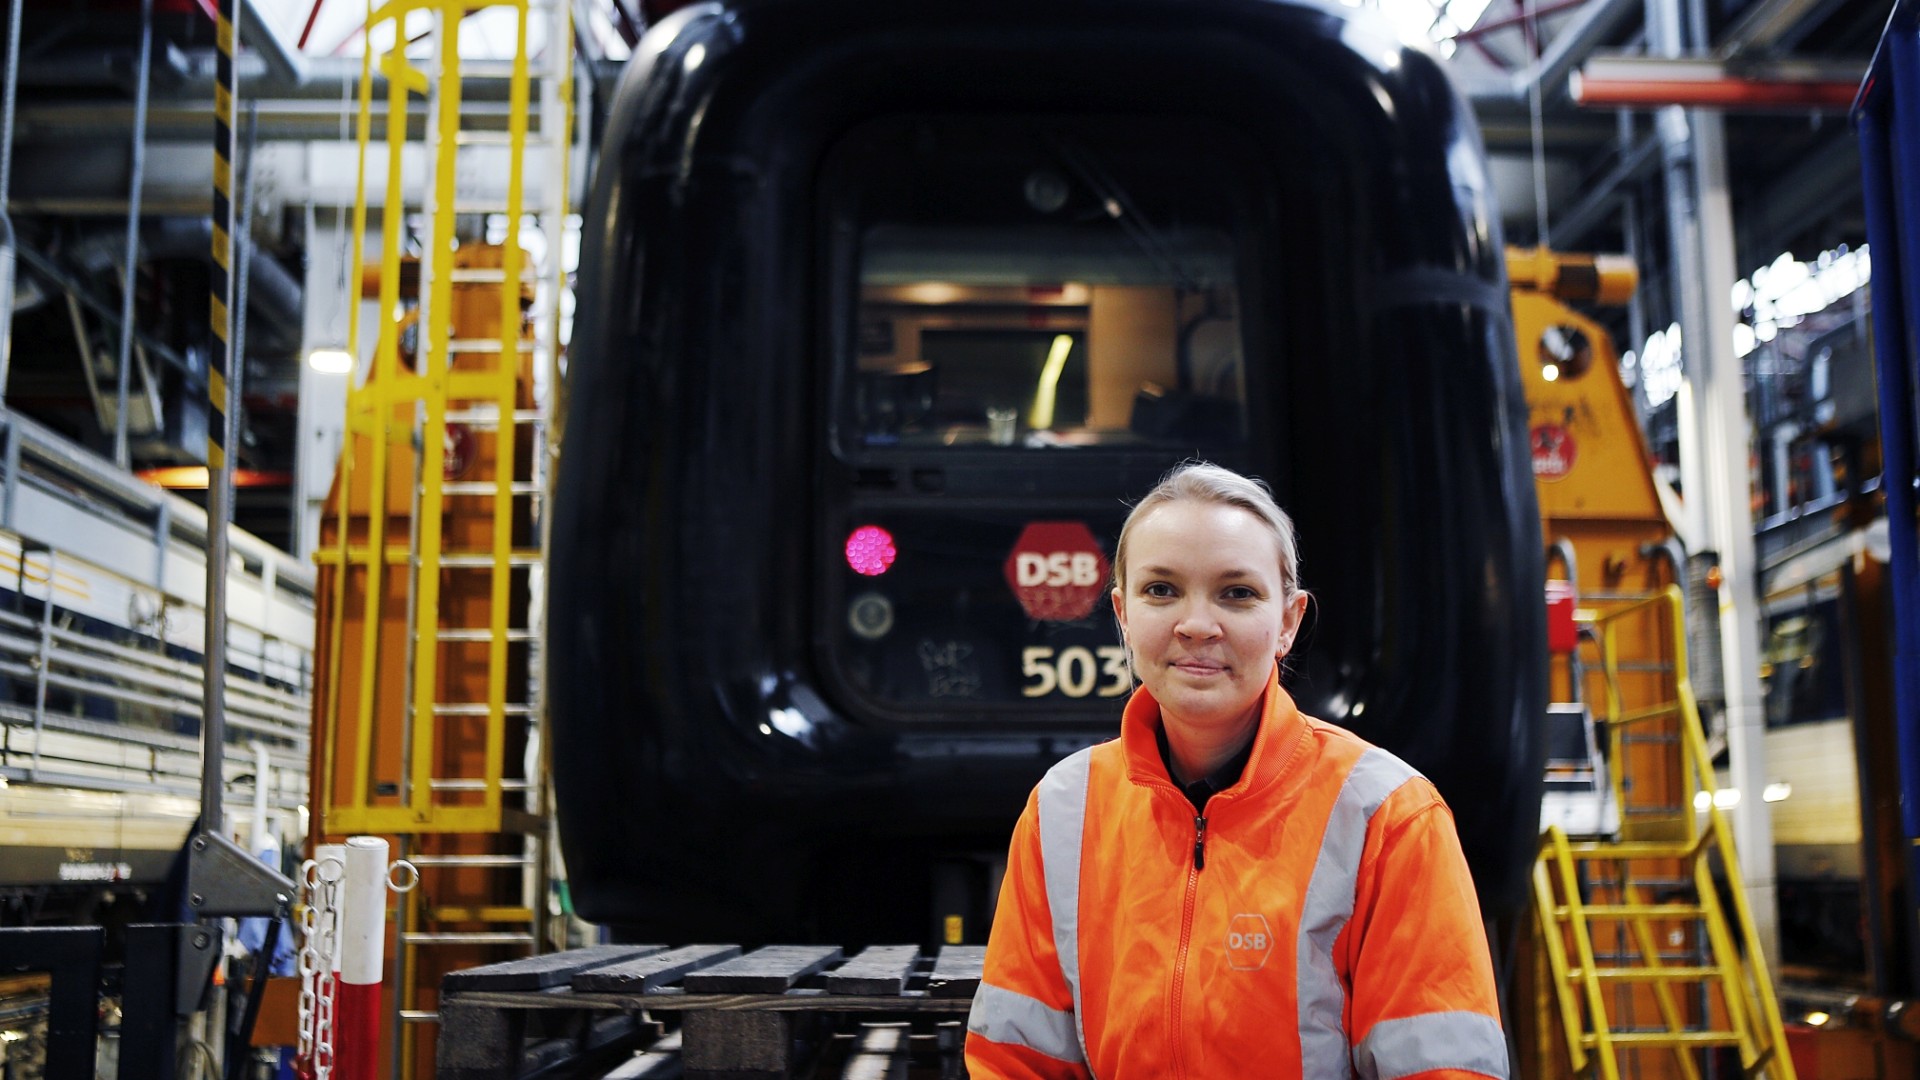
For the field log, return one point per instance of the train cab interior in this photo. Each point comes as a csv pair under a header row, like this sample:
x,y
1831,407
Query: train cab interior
x,y
1036,285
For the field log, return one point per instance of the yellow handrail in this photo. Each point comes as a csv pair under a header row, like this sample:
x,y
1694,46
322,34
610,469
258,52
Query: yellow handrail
x,y
1740,967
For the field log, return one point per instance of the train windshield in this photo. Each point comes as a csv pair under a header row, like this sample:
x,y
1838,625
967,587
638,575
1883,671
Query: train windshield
x,y
1030,320
1046,338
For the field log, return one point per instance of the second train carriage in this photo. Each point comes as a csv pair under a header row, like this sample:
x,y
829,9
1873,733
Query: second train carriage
x,y
886,310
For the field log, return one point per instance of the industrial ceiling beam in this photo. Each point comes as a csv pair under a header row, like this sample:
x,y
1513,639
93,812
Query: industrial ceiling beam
x,y
1586,31
1598,201
1766,23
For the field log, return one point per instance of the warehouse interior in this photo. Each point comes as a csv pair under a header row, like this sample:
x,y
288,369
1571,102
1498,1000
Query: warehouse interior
x,y
312,267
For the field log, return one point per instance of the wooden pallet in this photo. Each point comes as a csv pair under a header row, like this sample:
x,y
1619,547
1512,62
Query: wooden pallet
x,y
710,1012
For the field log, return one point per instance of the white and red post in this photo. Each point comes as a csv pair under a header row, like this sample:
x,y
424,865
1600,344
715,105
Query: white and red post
x,y
363,940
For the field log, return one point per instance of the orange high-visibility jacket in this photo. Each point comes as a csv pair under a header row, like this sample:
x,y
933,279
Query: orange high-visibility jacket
x,y
1318,922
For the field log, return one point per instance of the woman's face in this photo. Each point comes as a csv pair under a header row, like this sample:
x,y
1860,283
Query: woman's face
x,y
1204,612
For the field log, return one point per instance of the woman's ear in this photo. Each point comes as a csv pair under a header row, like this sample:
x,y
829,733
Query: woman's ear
x,y
1296,610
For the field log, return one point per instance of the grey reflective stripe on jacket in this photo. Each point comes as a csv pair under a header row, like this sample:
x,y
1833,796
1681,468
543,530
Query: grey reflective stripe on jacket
x,y
1007,1016
1063,821
1324,1051
1468,1041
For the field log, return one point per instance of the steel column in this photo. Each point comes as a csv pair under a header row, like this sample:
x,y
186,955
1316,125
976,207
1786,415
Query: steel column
x,y
1713,432
220,426
1890,166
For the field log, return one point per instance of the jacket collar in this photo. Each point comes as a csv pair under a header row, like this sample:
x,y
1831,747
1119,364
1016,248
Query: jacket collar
x,y
1276,742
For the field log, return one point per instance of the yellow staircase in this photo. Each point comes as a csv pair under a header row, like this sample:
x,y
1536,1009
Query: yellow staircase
x,y
449,442
1650,955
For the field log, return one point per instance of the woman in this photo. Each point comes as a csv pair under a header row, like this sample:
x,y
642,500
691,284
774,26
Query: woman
x,y
1231,888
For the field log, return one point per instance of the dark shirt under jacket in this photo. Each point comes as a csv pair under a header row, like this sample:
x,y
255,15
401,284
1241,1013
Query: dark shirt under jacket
x,y
1220,779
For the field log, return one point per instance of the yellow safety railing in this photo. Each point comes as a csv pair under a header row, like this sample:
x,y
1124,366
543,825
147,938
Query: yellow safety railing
x,y
1567,911
396,405
478,835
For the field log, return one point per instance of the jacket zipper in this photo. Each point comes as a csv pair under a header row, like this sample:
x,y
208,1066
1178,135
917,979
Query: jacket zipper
x,y
1186,941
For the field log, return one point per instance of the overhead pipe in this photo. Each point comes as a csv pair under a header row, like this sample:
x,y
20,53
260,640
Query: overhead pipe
x,y
7,240
270,286
1616,80
122,456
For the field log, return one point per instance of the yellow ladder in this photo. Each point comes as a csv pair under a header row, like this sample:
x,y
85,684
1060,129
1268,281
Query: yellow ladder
x,y
1643,952
490,824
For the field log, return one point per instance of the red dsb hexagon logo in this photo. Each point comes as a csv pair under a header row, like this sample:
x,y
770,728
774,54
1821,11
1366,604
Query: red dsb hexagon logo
x,y
1248,942
1057,570
1553,451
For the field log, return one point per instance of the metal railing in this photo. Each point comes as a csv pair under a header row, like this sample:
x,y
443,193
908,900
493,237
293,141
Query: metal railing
x,y
1727,954
101,630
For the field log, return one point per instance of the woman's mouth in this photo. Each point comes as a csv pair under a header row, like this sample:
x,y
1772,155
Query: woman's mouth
x,y
1198,668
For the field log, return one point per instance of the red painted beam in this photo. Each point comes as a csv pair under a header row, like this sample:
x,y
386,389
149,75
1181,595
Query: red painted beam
x,y
1722,93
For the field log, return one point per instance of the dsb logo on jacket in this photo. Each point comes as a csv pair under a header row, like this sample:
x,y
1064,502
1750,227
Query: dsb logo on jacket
x,y
1248,942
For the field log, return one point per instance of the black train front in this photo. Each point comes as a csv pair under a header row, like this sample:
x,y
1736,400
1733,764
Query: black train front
x,y
885,309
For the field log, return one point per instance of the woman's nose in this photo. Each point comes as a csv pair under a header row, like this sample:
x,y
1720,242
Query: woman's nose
x,y
1197,621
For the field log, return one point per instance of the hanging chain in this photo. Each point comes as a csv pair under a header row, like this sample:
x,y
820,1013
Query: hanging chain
x,y
320,944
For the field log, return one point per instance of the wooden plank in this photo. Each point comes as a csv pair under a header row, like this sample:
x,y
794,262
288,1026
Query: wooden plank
x,y
881,969
956,973
647,972
672,999
540,972
763,971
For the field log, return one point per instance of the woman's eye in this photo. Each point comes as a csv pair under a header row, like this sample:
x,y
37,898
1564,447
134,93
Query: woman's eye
x,y
1240,593
1159,590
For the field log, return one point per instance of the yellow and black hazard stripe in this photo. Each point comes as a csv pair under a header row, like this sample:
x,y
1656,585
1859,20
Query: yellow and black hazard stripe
x,y
224,89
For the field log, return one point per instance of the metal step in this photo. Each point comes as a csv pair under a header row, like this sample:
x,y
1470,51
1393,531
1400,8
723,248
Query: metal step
x,y
1628,959
462,205
471,860
476,937
503,69
490,137
484,345
487,487
419,1016
480,634
469,784
1658,1039
489,416
1633,849
1647,974
477,708
1634,911
500,913
484,560
487,275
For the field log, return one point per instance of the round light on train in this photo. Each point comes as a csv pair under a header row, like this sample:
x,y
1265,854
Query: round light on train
x,y
870,550
870,616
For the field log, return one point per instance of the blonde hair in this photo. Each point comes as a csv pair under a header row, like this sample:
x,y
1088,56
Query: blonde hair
x,y
1200,481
